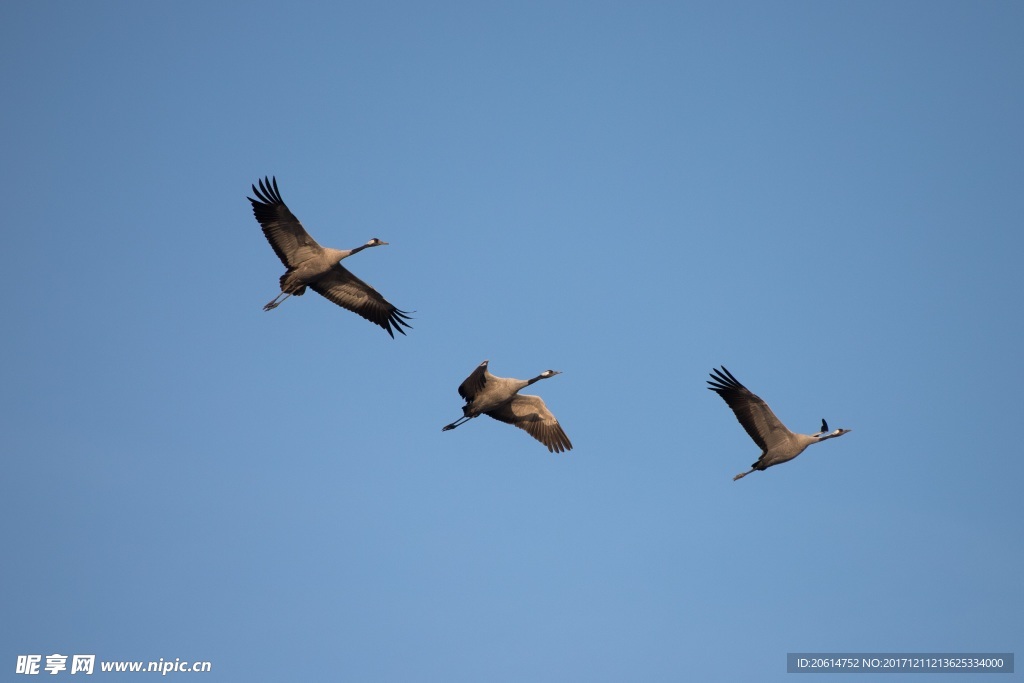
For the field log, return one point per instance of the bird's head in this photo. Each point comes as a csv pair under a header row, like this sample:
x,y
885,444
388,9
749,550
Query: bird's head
x,y
544,375
838,432
375,243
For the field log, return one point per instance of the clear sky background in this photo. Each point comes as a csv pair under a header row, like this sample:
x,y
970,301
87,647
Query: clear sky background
x,y
827,198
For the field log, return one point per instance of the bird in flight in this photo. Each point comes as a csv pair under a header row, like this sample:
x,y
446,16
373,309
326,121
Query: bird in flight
x,y
499,397
316,267
777,443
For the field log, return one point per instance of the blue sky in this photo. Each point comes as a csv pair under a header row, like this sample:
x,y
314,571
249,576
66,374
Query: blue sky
x,y
823,197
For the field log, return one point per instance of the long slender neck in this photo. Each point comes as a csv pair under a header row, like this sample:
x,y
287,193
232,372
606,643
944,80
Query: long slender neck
x,y
538,377
831,436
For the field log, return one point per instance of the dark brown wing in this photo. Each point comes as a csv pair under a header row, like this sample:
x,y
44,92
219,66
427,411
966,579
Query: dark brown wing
x,y
530,414
290,241
348,291
474,383
752,412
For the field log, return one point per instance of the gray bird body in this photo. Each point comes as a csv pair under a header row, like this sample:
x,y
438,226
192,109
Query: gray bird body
x,y
319,268
778,444
499,397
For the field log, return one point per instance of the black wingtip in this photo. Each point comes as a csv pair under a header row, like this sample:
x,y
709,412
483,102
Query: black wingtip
x,y
722,379
398,321
267,192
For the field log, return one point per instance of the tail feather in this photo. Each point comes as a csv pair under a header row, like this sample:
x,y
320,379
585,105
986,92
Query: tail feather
x,y
285,284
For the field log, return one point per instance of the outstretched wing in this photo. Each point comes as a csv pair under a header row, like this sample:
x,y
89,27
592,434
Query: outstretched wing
x,y
290,241
530,414
474,383
752,412
348,291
